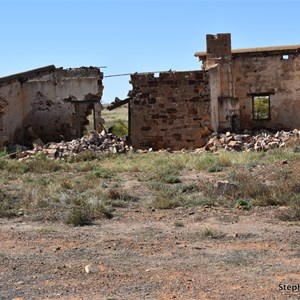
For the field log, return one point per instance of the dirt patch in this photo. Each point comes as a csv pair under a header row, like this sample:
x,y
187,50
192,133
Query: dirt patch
x,y
143,253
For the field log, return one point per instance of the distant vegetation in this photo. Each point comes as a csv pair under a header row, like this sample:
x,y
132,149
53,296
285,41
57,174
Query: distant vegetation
x,y
117,119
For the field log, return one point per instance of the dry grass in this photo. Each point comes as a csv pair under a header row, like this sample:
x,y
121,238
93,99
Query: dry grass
x,y
46,187
111,117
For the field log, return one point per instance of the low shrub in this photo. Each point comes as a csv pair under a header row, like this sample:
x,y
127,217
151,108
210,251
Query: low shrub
x,y
178,224
198,200
188,188
212,233
85,213
119,128
242,204
165,200
79,216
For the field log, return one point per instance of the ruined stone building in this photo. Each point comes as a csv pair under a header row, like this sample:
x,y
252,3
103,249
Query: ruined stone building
x,y
235,90
49,103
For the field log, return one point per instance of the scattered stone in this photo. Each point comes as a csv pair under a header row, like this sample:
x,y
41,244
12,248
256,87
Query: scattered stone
x,y
258,141
101,143
97,143
38,143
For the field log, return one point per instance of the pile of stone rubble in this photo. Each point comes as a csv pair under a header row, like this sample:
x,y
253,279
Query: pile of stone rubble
x,y
98,143
101,143
258,141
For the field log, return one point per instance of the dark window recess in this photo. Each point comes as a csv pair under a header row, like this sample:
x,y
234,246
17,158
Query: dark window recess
x,y
261,107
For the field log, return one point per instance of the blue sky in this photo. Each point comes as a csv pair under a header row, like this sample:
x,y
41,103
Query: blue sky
x,y
131,36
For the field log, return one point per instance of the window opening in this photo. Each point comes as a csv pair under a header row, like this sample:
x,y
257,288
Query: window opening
x,y
261,108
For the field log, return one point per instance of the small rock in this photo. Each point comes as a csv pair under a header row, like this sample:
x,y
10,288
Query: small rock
x,y
296,131
236,145
38,144
91,269
51,151
232,235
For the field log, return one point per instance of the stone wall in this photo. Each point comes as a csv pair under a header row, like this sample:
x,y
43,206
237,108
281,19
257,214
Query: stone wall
x,y
239,75
268,74
169,111
48,103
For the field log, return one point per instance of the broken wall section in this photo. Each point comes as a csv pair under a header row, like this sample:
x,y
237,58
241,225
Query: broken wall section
x,y
169,111
49,103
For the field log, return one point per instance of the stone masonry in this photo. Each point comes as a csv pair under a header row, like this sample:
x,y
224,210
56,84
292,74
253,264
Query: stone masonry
x,y
237,76
49,103
169,111
236,90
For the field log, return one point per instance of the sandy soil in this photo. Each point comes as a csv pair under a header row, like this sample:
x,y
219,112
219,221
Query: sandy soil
x,y
183,253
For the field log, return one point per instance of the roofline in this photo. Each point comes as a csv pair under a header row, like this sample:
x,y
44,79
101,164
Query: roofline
x,y
26,74
275,49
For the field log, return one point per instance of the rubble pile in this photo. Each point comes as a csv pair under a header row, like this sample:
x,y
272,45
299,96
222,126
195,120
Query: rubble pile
x,y
108,143
98,143
260,141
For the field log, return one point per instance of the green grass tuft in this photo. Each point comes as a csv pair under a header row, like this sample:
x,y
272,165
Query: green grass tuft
x,y
242,204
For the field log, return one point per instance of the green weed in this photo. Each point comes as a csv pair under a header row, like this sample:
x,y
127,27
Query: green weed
x,y
119,128
103,173
242,204
3,153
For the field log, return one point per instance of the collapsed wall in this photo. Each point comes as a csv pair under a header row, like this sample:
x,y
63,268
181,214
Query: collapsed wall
x,y
169,111
49,103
